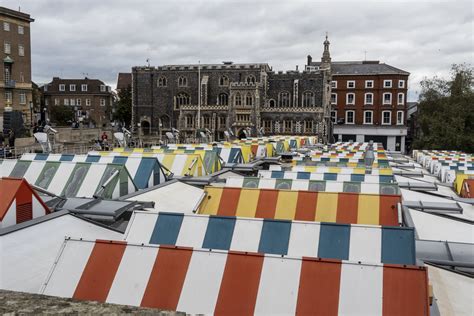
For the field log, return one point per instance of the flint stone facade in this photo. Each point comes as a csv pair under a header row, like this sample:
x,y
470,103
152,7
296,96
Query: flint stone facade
x,y
234,97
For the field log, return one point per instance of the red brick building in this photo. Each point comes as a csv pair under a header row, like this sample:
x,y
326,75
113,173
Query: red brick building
x,y
15,81
369,102
91,99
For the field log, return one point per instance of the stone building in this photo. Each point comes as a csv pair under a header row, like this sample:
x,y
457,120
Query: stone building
x,y
355,100
91,99
242,98
15,82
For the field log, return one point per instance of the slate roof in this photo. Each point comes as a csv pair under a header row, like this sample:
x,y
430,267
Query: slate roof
x,y
363,68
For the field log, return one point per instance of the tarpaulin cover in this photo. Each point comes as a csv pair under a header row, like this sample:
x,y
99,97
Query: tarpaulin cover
x,y
366,243
313,185
19,202
327,176
145,171
233,283
347,208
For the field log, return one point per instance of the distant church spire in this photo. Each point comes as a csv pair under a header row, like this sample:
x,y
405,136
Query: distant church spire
x,y
326,59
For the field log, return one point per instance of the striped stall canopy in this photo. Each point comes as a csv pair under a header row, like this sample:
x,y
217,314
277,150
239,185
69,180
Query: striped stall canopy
x,y
218,282
19,202
460,179
312,185
145,171
227,153
342,170
209,157
339,162
73,179
305,175
467,190
185,164
346,208
367,243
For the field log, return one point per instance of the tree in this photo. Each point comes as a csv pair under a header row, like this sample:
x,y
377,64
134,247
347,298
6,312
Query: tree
x,y
61,115
123,109
446,112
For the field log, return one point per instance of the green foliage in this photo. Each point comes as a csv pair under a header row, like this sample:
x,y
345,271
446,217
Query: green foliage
x,y
123,108
446,112
61,115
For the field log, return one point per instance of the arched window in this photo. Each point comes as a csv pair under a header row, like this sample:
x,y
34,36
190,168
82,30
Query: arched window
x,y
271,103
224,81
250,79
182,81
223,99
238,99
248,100
284,99
162,82
308,99
183,99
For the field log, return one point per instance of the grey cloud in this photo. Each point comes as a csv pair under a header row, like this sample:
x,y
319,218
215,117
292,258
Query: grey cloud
x,y
102,38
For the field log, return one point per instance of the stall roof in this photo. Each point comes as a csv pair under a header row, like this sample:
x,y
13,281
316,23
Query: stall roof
x,y
19,202
171,196
313,185
452,292
29,249
70,179
206,282
347,208
365,243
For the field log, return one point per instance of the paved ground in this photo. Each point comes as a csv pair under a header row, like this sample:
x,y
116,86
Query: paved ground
x,y
16,303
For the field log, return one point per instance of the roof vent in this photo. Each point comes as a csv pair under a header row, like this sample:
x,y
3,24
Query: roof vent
x,y
227,62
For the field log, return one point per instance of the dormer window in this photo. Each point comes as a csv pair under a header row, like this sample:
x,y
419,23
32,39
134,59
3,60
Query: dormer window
x,y
62,87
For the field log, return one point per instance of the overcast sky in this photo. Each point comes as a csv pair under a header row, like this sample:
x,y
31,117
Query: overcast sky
x,y
101,38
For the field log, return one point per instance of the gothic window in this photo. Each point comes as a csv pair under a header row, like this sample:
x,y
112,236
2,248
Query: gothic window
x,y
224,81
162,82
206,121
250,79
287,125
272,103
308,126
284,99
223,99
182,81
248,100
238,99
183,99
189,121
308,98
221,121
